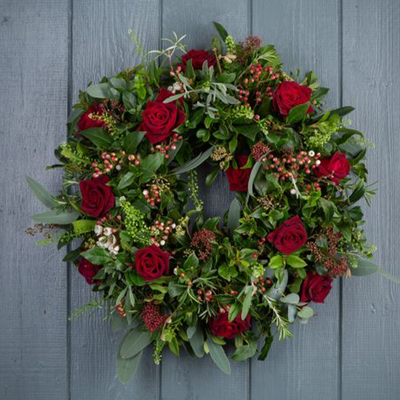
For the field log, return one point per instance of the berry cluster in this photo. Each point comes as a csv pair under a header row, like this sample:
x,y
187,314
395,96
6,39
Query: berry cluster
x,y
120,309
202,242
208,296
165,148
160,232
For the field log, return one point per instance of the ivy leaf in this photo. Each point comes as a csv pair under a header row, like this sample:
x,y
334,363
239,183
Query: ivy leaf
x,y
244,352
295,261
127,367
297,113
54,217
234,215
134,342
219,357
41,193
132,140
98,137
97,256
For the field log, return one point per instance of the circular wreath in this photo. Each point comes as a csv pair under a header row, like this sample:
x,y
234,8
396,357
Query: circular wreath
x,y
130,194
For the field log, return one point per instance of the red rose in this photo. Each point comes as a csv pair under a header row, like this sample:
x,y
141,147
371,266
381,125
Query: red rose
x,y
335,167
160,119
239,178
88,270
151,262
97,197
87,121
290,236
198,57
221,327
315,288
288,95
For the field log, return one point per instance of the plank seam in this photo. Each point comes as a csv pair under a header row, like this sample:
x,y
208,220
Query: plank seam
x,y
69,265
340,340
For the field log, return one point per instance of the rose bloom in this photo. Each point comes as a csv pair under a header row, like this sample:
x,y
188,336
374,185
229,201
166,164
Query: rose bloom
x,y
198,57
161,119
86,122
335,167
97,197
290,236
221,327
315,288
288,95
239,178
88,270
151,262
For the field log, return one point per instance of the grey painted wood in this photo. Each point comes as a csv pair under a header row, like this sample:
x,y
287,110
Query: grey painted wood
x,y
371,312
100,47
184,377
306,34
347,354
33,108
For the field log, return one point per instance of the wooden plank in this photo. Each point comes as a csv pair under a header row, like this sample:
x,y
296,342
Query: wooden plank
x,y
306,34
185,377
371,83
101,46
33,109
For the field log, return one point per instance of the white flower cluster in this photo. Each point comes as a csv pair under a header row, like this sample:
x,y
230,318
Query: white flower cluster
x,y
106,239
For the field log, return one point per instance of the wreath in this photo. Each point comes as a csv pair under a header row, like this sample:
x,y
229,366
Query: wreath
x,y
169,276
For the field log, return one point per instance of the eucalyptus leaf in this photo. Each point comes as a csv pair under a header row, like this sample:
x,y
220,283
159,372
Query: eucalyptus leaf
x,y
41,193
234,215
192,164
197,342
127,367
134,342
219,357
55,217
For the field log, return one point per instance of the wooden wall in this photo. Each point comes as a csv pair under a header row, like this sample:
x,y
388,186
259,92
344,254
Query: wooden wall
x,y
49,49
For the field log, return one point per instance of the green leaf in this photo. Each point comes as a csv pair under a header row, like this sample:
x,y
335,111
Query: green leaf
x,y
97,256
218,355
98,136
41,193
227,77
118,83
150,165
295,261
72,255
234,215
342,111
328,207
297,113
364,268
191,262
266,347
247,302
291,298
132,140
134,342
194,163
127,367
250,130
126,180
129,100
100,91
306,312
221,31
275,262
252,177
244,352
197,342
212,176
84,225
174,346
386,275
54,217
234,311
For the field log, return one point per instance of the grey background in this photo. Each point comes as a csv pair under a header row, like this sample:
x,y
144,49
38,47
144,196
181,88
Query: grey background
x,y
51,48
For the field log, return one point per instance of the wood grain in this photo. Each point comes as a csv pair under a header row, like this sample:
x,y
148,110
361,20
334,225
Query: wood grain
x,y
33,109
371,312
306,34
187,378
100,47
